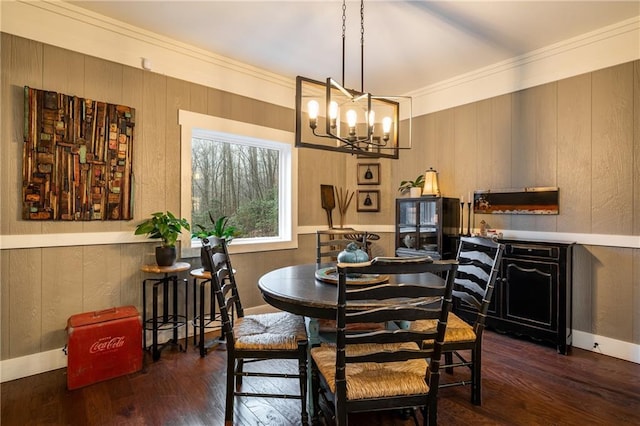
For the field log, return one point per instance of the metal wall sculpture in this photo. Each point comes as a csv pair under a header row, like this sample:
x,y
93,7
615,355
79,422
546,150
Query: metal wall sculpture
x,y
77,158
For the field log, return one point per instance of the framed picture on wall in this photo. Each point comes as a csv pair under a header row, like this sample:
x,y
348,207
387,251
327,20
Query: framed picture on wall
x,y
368,201
368,174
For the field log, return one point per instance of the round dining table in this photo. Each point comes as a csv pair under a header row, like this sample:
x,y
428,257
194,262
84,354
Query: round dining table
x,y
296,289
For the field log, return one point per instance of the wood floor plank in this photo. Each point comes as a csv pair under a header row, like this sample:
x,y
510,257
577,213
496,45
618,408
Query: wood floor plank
x,y
524,383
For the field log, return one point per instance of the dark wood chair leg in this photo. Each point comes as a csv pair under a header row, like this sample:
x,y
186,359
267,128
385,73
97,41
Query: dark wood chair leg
x,y
302,368
448,360
476,375
315,397
238,373
228,411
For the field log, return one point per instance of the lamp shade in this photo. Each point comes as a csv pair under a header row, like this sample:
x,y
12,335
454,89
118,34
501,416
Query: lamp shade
x,y
430,186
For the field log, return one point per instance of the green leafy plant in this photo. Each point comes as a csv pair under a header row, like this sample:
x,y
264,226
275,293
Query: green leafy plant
x,y
220,229
164,226
405,185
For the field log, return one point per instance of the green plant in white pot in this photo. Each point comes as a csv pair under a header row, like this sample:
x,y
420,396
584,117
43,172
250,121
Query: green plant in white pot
x,y
414,187
167,227
220,229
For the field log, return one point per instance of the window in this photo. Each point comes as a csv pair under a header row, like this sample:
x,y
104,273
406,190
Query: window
x,y
242,171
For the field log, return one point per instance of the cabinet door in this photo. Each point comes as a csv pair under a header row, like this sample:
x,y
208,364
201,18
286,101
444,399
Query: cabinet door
x,y
428,226
530,291
407,224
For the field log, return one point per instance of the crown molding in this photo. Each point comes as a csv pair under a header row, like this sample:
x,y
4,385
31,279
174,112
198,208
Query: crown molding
x,y
602,48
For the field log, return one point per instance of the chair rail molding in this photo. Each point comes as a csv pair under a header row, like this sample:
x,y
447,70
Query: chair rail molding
x,y
8,242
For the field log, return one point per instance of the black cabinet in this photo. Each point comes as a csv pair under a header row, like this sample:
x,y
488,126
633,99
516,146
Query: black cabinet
x,y
427,226
532,296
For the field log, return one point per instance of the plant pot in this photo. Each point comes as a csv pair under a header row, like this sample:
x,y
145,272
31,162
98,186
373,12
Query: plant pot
x,y
165,256
415,192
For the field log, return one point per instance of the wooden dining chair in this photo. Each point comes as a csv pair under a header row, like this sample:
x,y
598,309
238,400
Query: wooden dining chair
x,y
330,242
255,338
389,368
479,262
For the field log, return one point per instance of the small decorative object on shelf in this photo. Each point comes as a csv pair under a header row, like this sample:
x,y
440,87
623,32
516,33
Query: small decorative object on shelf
x,y
166,227
410,241
414,187
344,199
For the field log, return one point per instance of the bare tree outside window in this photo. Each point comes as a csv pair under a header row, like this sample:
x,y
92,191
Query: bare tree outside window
x,y
236,180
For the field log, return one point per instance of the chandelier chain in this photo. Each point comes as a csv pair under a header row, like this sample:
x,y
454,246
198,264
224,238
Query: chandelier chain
x,y
362,46
344,30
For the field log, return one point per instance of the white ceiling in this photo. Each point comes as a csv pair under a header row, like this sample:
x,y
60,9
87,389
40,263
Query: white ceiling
x,y
408,44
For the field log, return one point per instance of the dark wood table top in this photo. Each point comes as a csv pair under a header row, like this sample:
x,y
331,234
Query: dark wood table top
x,y
295,289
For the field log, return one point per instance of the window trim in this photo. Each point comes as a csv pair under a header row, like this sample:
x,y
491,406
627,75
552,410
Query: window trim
x,y
192,122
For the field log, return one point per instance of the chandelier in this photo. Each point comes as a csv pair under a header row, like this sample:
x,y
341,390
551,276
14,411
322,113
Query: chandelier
x,y
332,117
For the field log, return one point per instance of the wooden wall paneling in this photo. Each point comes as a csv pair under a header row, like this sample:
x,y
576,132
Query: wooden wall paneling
x,y
466,151
546,173
218,103
583,290
499,166
22,65
152,148
523,140
132,257
413,162
484,156
445,142
178,97
612,161
636,147
133,95
502,142
104,80
613,292
526,116
62,288
25,301
317,167
574,154
5,304
101,277
198,98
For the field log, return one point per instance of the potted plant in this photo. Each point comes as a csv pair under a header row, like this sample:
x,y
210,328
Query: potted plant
x,y
220,229
413,186
167,227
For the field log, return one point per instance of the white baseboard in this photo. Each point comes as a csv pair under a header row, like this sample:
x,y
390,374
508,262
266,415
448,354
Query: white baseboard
x,y
607,346
17,368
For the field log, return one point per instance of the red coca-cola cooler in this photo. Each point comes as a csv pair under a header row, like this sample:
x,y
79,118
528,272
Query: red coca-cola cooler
x,y
102,345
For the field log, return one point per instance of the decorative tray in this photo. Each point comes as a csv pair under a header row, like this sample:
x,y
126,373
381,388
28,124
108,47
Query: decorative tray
x,y
330,275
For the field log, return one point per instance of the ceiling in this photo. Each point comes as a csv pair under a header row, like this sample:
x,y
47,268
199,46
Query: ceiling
x,y
408,44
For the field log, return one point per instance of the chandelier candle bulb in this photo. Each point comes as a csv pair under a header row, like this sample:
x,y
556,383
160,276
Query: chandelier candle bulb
x,y
314,108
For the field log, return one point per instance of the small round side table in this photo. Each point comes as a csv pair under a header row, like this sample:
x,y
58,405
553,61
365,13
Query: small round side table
x,y
169,318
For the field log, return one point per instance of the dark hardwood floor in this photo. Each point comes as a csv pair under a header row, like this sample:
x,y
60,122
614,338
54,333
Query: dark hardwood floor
x,y
524,384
